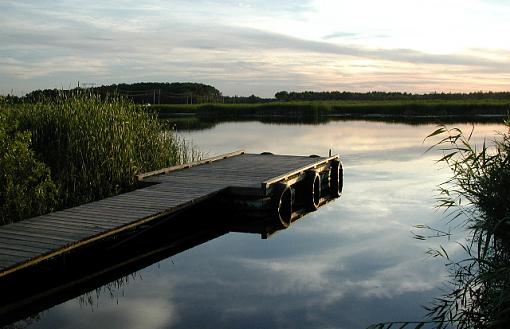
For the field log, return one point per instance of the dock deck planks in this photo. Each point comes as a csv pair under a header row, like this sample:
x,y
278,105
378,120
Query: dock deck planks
x,y
34,240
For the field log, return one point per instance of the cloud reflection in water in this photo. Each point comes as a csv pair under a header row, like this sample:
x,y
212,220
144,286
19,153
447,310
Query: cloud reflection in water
x,y
350,264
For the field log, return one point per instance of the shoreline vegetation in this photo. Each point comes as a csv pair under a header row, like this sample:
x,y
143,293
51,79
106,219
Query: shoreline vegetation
x,y
178,98
76,148
487,109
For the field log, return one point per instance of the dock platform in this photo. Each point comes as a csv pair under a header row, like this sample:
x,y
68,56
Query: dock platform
x,y
259,193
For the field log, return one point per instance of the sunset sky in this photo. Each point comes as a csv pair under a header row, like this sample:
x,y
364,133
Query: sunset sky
x,y
258,47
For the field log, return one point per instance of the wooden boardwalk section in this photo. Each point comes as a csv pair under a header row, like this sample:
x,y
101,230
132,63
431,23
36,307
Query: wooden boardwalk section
x,y
264,180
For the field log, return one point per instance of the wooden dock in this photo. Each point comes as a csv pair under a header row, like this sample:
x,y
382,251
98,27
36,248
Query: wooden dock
x,y
259,193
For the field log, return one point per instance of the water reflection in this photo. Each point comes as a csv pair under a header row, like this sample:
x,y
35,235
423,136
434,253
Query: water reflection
x,y
190,122
113,290
350,264
112,269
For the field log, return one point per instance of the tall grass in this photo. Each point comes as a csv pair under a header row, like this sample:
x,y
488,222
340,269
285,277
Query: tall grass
x,y
94,146
396,108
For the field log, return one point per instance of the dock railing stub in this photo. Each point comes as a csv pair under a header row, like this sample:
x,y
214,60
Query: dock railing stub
x,y
295,173
141,177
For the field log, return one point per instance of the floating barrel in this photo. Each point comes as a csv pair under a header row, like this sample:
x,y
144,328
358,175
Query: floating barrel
x,y
312,190
283,198
336,179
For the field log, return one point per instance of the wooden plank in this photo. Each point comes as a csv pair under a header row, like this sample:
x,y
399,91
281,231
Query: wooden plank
x,y
172,193
188,182
24,241
170,198
154,205
111,208
10,259
78,220
14,259
216,181
106,213
140,177
94,214
189,192
6,246
178,184
128,210
18,253
54,233
41,237
78,223
5,264
143,207
154,196
28,243
74,223
135,201
59,228
219,177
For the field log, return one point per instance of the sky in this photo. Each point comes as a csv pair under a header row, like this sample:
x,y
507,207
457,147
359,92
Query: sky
x,y
258,47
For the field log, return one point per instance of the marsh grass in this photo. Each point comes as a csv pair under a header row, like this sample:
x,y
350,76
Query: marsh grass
x,y
95,145
397,108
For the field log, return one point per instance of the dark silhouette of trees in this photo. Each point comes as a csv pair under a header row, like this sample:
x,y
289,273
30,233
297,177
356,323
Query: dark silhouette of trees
x,y
380,95
199,93
146,92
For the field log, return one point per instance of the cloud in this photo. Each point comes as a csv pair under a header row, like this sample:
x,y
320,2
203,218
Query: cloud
x,y
226,46
225,38
341,35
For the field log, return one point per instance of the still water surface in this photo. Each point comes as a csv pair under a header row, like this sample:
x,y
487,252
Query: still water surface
x,y
351,263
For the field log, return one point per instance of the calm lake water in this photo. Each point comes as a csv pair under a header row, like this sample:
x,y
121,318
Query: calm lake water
x,y
348,265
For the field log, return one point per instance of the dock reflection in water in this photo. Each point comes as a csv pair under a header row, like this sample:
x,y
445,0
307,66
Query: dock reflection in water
x,y
89,270
60,279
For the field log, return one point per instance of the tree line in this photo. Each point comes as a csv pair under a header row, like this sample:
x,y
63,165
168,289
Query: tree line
x,y
140,93
199,93
381,95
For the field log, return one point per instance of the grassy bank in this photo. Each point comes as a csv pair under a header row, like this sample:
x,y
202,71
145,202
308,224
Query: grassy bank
x,y
76,149
497,107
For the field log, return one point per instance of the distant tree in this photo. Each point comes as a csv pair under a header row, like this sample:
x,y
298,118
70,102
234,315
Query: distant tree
x,y
282,95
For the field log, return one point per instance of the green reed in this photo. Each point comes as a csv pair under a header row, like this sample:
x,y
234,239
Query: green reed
x,y
95,145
